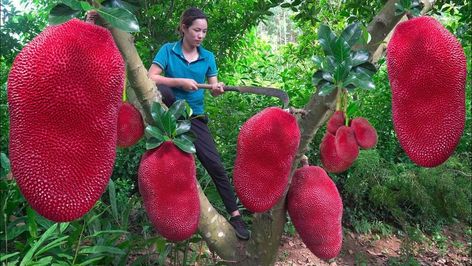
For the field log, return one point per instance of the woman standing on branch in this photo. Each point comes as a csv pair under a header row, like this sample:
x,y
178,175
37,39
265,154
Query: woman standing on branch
x,y
177,69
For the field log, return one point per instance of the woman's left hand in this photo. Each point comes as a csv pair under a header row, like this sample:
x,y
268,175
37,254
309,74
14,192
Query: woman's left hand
x,y
217,89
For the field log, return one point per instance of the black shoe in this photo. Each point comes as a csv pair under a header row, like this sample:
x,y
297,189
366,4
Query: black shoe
x,y
240,227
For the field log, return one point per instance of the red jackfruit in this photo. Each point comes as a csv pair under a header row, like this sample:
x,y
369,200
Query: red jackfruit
x,y
267,145
167,183
330,158
337,120
427,72
64,92
365,133
346,144
130,125
316,210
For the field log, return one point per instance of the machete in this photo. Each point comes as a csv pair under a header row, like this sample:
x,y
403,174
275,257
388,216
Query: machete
x,y
282,95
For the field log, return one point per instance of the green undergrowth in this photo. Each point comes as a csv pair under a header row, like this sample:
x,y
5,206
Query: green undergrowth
x,y
376,192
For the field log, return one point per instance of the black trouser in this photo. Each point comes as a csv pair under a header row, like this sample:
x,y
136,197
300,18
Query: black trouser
x,y
207,153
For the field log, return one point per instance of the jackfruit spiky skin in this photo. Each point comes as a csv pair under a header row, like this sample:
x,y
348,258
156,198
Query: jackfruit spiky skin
x,y
167,182
346,144
130,126
365,133
427,71
267,145
316,210
337,120
64,92
329,156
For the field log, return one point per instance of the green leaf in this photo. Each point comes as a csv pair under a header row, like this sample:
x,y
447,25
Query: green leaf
x,y
326,39
5,164
157,112
55,243
28,256
326,89
341,50
32,225
317,77
153,143
7,256
152,131
122,4
177,108
329,64
85,6
101,249
74,4
360,80
327,76
352,109
317,60
352,33
169,124
359,57
120,18
112,195
184,144
183,127
61,13
91,261
342,71
366,68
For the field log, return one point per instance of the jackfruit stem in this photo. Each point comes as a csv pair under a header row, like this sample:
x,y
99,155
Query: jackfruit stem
x,y
304,161
345,101
338,100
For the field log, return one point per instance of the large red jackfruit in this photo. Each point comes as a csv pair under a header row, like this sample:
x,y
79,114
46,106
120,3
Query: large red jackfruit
x,y
316,210
267,145
365,133
337,120
427,72
329,156
64,92
167,183
130,126
346,144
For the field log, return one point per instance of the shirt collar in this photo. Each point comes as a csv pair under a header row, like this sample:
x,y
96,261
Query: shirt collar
x,y
177,49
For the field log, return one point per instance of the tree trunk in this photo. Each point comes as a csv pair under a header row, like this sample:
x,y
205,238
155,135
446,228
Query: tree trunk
x,y
267,228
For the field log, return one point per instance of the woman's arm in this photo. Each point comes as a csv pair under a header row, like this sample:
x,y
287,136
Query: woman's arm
x,y
155,72
216,87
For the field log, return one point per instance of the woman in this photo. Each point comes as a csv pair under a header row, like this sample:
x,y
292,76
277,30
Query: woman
x,y
185,64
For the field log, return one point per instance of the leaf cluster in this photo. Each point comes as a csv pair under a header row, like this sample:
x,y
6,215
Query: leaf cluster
x,y
412,7
115,12
171,125
345,65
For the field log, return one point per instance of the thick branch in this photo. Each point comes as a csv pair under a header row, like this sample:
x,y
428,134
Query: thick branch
x,y
143,87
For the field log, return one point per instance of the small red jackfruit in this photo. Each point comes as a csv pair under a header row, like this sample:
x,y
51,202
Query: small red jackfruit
x,y
427,71
346,144
365,133
316,210
267,145
130,125
167,183
330,158
337,120
64,92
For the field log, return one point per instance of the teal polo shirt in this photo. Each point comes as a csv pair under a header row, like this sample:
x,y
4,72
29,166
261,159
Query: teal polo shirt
x,y
171,60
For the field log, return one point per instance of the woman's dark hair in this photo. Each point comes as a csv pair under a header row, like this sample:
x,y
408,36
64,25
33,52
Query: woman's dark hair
x,y
188,16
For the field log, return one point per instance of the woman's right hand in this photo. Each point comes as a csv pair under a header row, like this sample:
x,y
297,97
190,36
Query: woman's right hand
x,y
188,84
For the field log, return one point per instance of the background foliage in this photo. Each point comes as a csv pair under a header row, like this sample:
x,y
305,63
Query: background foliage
x,y
383,187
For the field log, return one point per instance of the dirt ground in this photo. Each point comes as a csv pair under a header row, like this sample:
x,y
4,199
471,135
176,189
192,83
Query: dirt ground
x,y
453,248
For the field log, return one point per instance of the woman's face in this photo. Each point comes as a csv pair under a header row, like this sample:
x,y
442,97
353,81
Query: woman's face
x,y
195,34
